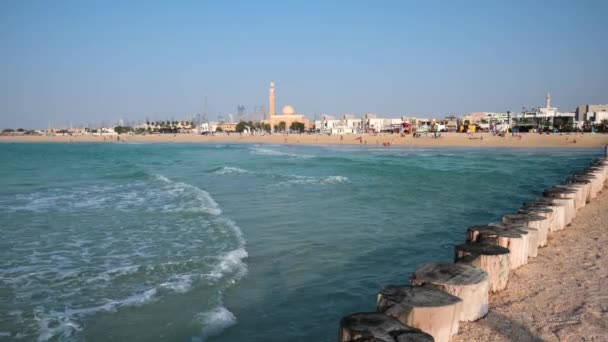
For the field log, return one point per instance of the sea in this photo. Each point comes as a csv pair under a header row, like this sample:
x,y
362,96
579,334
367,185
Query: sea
x,y
235,242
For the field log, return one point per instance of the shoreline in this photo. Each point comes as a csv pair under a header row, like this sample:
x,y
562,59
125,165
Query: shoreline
x,y
523,140
540,274
559,296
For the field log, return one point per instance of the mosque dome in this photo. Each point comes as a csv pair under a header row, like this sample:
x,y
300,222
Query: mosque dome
x,y
288,110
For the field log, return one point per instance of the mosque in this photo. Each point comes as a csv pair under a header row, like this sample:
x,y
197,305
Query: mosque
x,y
288,114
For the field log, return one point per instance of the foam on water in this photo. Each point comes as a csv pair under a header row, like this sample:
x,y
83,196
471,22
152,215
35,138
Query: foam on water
x,y
128,197
270,152
215,321
335,180
179,283
309,180
65,324
230,263
229,170
90,275
113,273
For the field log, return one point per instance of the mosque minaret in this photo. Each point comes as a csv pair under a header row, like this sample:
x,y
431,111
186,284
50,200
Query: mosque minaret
x,y
271,105
287,116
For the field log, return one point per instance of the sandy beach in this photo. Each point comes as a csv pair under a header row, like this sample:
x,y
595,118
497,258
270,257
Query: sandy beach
x,y
446,139
560,296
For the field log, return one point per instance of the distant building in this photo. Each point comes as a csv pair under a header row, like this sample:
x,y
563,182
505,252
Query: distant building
x,y
476,117
547,117
288,114
227,126
347,125
548,111
593,113
208,127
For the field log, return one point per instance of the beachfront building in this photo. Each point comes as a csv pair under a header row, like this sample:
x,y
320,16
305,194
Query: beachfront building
x,y
348,124
351,123
547,117
182,126
594,113
210,127
475,118
373,124
326,124
286,118
227,126
547,111
488,118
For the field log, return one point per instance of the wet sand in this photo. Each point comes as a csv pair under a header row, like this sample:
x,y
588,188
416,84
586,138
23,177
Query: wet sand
x,y
562,295
446,139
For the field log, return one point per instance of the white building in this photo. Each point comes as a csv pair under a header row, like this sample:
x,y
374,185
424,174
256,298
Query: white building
x,y
598,117
545,113
594,113
208,127
347,125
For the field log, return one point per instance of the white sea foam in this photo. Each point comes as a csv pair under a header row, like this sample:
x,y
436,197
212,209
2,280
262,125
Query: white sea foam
x,y
113,273
137,299
230,263
162,178
179,283
307,180
64,324
215,321
82,266
229,170
55,324
334,180
269,152
170,196
207,203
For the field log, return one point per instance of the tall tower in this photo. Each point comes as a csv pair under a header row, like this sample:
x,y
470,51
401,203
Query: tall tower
x,y
271,112
548,100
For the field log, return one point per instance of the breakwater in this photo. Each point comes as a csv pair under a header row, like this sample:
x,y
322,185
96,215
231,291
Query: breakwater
x,y
440,295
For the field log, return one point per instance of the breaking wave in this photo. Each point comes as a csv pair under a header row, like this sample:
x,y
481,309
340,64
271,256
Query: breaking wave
x,y
99,266
309,180
215,321
270,152
229,170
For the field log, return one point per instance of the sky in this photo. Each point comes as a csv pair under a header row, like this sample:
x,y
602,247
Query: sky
x,y
90,62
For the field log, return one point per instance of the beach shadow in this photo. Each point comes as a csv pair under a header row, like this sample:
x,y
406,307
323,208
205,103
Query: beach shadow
x,y
503,326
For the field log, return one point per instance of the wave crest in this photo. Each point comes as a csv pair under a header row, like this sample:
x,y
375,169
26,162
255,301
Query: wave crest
x,y
269,152
215,321
229,170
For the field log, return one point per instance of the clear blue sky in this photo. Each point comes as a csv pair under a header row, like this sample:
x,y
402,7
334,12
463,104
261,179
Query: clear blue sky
x,y
92,61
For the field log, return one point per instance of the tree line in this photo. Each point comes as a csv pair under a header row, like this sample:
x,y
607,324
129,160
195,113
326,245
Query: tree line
x,y
264,127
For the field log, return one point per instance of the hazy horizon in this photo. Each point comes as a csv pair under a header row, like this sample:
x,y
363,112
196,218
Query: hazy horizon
x,y
76,62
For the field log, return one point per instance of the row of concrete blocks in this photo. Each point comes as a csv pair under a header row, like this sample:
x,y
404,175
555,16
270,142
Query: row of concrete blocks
x,y
440,295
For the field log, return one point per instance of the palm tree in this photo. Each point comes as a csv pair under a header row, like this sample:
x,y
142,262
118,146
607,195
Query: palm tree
x,y
604,125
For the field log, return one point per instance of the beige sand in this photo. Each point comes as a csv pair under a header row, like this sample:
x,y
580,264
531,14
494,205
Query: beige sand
x,y
560,296
447,139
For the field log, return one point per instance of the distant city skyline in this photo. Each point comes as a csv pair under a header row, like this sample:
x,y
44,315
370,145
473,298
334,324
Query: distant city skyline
x,y
76,62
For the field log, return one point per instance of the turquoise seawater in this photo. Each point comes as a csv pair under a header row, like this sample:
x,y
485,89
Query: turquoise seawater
x,y
195,242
